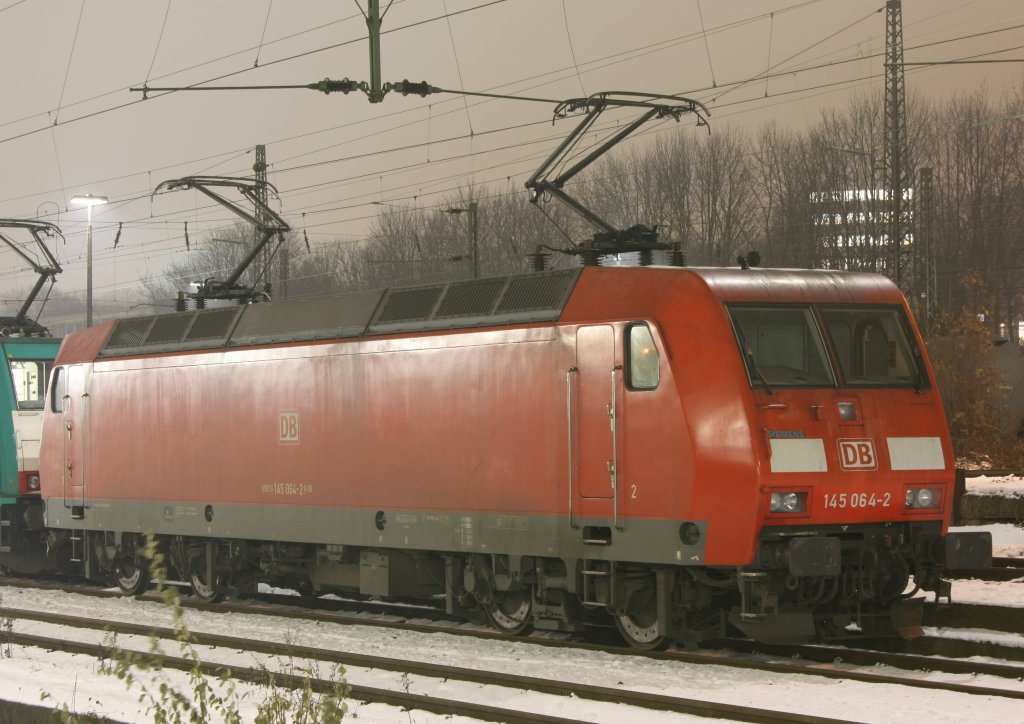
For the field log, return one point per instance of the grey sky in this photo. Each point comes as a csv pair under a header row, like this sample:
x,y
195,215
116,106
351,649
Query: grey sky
x,y
69,124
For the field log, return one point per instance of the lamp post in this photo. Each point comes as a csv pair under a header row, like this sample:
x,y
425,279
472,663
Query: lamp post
x,y
471,208
89,201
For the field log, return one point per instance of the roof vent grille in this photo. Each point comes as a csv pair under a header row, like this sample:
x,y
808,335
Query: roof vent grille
x,y
470,299
213,324
129,332
408,305
536,292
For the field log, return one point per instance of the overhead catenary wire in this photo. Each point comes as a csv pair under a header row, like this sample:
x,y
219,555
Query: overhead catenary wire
x,y
120,106
739,102
263,35
723,104
707,46
160,38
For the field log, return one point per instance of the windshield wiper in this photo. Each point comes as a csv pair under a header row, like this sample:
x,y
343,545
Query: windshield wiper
x,y
919,378
755,371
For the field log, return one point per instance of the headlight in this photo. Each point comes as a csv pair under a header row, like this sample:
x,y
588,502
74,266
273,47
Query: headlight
x,y
33,482
788,503
922,498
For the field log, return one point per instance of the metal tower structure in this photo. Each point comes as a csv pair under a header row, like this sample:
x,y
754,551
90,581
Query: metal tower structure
x,y
898,177
259,169
263,217
924,241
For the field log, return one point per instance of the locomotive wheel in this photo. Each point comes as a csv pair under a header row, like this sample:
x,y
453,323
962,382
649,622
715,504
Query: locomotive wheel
x,y
511,611
640,627
132,576
201,588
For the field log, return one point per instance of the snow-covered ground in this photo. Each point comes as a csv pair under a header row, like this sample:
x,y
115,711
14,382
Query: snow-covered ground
x,y
1007,486
74,679
1007,539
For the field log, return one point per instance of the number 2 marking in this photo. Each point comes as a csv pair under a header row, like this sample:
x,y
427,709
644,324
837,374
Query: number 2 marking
x,y
632,489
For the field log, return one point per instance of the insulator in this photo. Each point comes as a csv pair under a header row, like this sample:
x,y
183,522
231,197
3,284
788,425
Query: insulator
x,y
539,259
410,88
186,236
678,256
117,236
180,305
646,257
327,85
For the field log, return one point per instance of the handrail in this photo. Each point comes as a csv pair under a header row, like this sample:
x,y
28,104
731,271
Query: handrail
x,y
613,412
571,447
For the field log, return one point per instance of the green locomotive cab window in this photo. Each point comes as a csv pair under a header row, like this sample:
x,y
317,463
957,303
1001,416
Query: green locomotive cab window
x,y
644,361
29,378
781,346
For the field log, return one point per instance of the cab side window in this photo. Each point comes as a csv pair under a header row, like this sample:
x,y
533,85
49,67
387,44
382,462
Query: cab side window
x,y
59,389
644,363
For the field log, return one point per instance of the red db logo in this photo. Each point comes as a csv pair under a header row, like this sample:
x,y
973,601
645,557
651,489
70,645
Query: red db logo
x,y
857,455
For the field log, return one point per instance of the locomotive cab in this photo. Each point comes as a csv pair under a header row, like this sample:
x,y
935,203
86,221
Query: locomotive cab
x,y
27,364
857,476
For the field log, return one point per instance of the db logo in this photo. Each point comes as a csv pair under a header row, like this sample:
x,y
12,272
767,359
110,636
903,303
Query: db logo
x,y
288,427
857,455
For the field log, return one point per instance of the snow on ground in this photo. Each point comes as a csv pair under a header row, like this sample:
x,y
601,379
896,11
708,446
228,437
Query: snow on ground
x,y
1007,538
25,671
1006,486
74,679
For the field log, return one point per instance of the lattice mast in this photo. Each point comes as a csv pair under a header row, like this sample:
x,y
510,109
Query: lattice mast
x,y
924,245
897,169
259,169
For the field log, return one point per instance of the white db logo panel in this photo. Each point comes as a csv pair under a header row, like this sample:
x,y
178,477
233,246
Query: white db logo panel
x,y
857,455
288,427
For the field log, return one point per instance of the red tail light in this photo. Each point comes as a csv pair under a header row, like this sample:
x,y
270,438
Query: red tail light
x,y
28,482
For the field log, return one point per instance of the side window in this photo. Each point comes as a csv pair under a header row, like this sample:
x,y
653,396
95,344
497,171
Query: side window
x,y
59,389
29,378
643,362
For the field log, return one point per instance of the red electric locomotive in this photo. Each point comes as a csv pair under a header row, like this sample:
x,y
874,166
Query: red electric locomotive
x,y
681,449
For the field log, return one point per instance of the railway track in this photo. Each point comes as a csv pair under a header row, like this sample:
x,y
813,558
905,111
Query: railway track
x,y
841,663
1002,569
932,653
624,700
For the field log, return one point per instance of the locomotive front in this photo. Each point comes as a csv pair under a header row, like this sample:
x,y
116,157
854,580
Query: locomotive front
x,y
857,472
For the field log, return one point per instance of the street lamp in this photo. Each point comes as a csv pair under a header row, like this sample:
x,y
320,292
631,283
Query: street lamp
x,y
89,201
473,242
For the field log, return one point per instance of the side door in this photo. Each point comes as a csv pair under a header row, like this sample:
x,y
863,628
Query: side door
x,y
75,419
595,454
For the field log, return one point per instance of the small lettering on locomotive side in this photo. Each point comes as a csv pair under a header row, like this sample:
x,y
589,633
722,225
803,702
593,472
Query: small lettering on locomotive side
x,y
287,489
786,434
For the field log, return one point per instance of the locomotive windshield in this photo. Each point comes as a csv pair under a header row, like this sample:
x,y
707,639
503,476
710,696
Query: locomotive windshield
x,y
783,346
871,346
